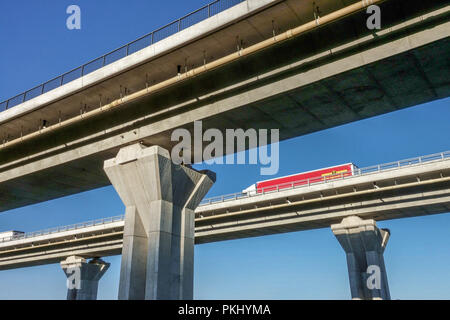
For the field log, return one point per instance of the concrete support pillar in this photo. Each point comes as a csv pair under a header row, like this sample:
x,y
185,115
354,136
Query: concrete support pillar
x,y
83,277
364,246
158,244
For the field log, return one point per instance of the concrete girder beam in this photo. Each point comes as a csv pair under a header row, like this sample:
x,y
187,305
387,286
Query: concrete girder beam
x,y
158,243
83,277
364,246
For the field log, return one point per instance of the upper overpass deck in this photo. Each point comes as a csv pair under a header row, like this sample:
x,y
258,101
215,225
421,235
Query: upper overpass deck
x,y
258,64
171,51
207,11
205,35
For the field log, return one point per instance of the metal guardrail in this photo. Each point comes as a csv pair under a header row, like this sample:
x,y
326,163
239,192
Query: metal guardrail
x,y
176,26
76,226
319,180
235,196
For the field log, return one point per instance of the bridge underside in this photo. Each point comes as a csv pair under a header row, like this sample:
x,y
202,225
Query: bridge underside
x,y
322,83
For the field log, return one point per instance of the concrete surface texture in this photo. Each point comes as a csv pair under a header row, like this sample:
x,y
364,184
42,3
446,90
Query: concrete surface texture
x,y
364,246
83,277
158,242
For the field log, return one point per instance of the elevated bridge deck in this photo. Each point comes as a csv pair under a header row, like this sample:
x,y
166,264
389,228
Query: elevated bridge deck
x,y
327,75
407,188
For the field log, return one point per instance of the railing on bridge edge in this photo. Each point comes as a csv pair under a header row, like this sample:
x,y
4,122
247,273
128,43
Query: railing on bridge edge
x,y
71,227
240,195
155,36
313,181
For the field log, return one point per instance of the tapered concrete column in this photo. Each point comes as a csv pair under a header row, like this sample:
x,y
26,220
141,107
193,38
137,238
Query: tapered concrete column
x,y
364,246
158,244
83,277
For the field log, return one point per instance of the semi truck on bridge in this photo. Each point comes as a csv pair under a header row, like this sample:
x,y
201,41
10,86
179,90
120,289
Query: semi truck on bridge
x,y
298,179
10,235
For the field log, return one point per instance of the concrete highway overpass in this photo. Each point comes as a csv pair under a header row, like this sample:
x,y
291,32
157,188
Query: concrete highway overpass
x,y
407,188
259,64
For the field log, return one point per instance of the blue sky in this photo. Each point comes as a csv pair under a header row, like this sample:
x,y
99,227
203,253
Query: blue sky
x,y
36,46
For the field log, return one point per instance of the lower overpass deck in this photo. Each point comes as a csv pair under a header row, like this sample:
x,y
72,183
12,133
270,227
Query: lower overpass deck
x,y
407,188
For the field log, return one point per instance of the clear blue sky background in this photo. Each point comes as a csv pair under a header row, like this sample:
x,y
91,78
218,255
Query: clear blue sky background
x,y
36,46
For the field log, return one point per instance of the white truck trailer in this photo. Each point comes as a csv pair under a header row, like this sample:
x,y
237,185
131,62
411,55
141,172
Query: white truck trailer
x,y
10,235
